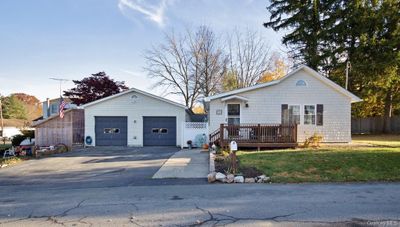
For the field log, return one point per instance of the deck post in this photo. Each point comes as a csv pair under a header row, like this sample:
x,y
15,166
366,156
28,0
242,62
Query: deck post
x,y
259,139
221,134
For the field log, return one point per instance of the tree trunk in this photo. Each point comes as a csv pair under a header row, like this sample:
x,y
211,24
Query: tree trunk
x,y
388,112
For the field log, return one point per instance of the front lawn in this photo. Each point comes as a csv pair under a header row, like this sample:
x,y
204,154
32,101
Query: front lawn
x,y
377,140
329,164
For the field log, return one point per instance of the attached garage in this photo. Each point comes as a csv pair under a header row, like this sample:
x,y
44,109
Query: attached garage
x,y
133,118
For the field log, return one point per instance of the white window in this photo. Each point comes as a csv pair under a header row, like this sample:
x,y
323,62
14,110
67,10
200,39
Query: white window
x,y
309,114
233,114
294,114
111,130
54,108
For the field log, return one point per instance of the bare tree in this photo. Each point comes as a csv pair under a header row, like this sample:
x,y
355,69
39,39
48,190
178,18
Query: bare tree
x,y
171,63
191,65
213,61
249,58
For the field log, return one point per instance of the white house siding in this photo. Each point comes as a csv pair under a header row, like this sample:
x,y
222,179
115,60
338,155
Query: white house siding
x,y
265,107
123,106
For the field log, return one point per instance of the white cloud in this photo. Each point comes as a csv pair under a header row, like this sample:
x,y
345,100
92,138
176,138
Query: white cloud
x,y
153,12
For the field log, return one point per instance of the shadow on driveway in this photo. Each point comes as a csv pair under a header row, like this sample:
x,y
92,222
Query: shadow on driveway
x,y
94,167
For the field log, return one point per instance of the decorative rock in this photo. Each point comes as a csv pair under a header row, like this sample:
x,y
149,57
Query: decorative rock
x,y
260,180
239,179
220,177
3,165
267,179
230,178
262,177
211,177
249,180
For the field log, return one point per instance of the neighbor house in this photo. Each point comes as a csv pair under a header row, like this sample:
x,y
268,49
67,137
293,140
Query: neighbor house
x,y
282,112
12,127
51,107
54,130
135,118
51,130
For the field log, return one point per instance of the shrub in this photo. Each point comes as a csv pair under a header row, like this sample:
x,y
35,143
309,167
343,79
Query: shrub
x,y
28,133
313,141
17,139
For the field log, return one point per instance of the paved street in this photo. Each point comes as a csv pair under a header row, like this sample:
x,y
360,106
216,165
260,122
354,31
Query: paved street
x,y
113,186
170,205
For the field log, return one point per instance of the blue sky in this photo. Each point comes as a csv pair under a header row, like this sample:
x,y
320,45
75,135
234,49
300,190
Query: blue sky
x,y
74,38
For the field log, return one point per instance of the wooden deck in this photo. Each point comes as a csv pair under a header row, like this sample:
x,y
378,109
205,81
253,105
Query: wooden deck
x,y
256,135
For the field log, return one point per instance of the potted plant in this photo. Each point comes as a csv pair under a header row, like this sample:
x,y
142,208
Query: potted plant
x,y
189,143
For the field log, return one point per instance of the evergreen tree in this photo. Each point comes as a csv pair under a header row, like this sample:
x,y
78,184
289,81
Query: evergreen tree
x,y
305,21
326,35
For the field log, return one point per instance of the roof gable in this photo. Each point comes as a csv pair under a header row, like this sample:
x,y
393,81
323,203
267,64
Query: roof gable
x,y
130,91
307,69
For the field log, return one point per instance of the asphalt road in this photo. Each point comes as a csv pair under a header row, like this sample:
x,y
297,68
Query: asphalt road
x,y
104,195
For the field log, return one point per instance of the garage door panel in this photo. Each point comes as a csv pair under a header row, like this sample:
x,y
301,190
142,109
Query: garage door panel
x,y
111,131
159,131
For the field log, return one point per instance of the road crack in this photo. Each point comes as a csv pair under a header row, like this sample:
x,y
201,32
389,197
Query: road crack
x,y
217,218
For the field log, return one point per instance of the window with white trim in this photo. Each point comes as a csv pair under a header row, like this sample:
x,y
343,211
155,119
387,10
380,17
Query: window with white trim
x,y
309,114
233,114
294,114
290,114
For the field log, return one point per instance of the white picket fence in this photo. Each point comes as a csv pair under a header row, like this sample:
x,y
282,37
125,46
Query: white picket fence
x,y
197,132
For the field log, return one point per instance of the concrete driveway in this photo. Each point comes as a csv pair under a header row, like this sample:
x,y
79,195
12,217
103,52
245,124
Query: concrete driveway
x,y
93,167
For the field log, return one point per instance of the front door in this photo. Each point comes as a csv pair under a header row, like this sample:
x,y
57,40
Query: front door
x,y
233,114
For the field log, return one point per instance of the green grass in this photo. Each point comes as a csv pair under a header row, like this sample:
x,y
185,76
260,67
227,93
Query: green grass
x,y
378,140
330,164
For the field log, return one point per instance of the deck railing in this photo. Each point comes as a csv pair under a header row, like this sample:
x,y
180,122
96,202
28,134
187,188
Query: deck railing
x,y
258,134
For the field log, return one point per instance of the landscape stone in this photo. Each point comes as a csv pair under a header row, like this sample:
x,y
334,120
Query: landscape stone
x,y
220,177
211,177
230,178
239,179
267,179
262,177
249,180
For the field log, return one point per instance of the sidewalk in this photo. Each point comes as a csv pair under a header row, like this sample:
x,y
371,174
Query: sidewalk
x,y
185,164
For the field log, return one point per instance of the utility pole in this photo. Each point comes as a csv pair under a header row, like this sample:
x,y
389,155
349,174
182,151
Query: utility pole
x,y
60,80
348,66
1,120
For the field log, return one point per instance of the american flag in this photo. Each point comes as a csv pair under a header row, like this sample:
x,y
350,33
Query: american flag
x,y
61,108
